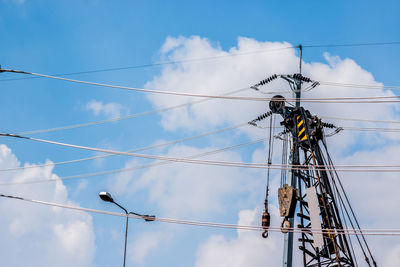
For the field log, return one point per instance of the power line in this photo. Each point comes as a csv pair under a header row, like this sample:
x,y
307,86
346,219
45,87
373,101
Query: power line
x,y
361,120
361,86
382,232
80,176
192,138
373,99
133,150
150,112
352,44
204,162
133,88
207,58
160,63
369,129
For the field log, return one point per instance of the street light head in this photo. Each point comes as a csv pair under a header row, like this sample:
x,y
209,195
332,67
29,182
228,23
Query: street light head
x,y
105,196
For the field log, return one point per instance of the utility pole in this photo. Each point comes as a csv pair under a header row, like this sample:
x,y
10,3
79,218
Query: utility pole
x,y
294,160
312,192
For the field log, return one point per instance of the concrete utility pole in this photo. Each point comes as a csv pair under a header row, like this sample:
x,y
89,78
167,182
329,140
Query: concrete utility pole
x,y
294,159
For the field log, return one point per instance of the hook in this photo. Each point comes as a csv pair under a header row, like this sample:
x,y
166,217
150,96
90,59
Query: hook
x,y
265,234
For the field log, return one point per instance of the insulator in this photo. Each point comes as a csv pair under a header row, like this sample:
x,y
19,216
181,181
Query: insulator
x,y
300,77
267,80
328,125
263,116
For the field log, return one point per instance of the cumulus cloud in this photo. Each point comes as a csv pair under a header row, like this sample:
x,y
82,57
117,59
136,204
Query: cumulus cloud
x,y
50,236
143,245
187,189
230,73
109,110
246,249
210,78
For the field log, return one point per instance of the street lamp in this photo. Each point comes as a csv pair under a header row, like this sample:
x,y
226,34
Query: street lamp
x,y
105,196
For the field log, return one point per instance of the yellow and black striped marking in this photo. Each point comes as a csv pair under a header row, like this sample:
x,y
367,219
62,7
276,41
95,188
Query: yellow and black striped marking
x,y
301,129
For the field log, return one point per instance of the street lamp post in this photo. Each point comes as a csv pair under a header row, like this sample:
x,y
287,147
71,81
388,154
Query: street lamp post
x,y
105,196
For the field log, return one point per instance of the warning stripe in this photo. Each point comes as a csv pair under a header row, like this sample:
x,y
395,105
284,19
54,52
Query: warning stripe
x,y
300,123
301,129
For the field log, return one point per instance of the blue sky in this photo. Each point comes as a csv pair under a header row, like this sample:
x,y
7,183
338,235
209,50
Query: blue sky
x,y
55,37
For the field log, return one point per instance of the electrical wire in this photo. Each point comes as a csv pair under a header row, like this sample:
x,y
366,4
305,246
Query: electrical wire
x,y
207,58
188,139
393,130
380,232
361,86
352,45
80,176
370,99
356,119
133,150
160,63
368,129
151,112
210,162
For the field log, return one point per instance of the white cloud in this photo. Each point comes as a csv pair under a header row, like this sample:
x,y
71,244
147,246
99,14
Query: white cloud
x,y
143,245
81,186
210,78
232,73
187,189
349,147
35,235
109,110
393,258
247,249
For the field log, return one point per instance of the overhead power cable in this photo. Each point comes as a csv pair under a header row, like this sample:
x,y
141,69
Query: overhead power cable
x,y
188,139
157,64
357,119
351,44
361,86
370,99
108,172
381,232
209,58
202,162
369,129
133,150
363,129
151,112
